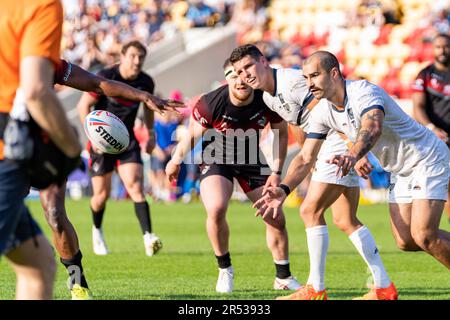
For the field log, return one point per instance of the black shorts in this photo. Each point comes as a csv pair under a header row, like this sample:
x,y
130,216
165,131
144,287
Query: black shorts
x,y
250,177
16,223
101,164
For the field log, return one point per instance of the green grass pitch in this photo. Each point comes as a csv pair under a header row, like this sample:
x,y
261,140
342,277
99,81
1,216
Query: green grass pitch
x,y
186,267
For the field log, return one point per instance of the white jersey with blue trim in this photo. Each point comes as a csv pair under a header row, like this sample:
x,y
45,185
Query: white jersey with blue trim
x,y
291,100
403,144
291,93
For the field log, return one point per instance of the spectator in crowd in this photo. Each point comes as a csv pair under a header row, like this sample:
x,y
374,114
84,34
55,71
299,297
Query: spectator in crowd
x,y
165,127
200,15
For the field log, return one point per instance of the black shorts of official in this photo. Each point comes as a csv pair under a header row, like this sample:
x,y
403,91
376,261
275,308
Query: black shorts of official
x,y
101,164
249,177
16,223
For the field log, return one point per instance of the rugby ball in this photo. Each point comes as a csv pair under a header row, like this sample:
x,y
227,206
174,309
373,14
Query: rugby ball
x,y
106,132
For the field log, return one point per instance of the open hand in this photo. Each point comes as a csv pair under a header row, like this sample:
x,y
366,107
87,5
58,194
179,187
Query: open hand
x,y
270,202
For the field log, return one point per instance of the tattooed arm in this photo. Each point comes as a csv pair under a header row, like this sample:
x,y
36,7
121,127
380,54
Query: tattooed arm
x,y
369,133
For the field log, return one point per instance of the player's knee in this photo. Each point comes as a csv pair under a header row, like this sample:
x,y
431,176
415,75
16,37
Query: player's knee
x,y
279,223
308,211
425,239
135,191
100,198
50,270
216,214
346,225
342,224
42,273
406,244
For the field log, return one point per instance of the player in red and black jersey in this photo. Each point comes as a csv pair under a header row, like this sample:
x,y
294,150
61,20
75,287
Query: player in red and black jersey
x,y
52,198
431,98
230,119
129,163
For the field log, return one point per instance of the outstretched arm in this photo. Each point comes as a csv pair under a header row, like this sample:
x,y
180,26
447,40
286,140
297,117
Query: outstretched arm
x,y
86,81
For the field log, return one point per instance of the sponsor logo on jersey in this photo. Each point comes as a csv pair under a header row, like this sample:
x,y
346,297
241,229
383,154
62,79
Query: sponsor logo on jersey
x,y
109,139
284,104
262,122
206,169
351,117
229,118
95,167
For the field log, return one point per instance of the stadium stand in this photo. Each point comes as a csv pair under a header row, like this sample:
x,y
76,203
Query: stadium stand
x,y
386,42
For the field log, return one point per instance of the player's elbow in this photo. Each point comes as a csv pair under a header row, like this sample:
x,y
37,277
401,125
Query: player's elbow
x,y
307,160
376,131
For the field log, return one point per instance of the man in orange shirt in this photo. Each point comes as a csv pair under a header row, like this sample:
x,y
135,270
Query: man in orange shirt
x,y
29,52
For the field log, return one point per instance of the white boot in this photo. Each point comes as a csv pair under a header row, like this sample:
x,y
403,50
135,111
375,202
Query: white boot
x,y
152,244
98,242
225,280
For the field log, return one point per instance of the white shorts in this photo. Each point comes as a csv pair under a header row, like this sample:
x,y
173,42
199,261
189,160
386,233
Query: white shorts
x,y
425,182
326,173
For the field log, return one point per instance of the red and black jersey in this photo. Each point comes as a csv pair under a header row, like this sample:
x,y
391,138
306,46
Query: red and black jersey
x,y
126,110
435,85
235,131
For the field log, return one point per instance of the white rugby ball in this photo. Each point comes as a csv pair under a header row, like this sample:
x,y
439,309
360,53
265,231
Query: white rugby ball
x,y
106,132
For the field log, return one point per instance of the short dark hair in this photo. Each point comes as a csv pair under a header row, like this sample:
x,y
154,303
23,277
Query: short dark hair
x,y
442,35
226,63
327,60
245,50
134,43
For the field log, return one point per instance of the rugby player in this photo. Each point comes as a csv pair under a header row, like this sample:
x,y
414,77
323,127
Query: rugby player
x,y
286,92
431,98
226,111
417,159
52,198
129,163
30,49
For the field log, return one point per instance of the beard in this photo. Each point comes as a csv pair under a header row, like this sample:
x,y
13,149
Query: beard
x,y
241,96
443,59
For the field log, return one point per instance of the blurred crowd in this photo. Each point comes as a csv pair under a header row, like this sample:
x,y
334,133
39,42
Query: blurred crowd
x,y
384,41
95,29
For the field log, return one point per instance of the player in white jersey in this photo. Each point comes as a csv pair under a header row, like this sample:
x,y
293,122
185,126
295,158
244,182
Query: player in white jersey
x,y
286,93
417,159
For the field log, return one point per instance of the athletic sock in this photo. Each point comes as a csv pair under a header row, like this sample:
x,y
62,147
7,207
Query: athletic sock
x,y
283,269
142,210
224,261
317,238
75,270
365,244
97,217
